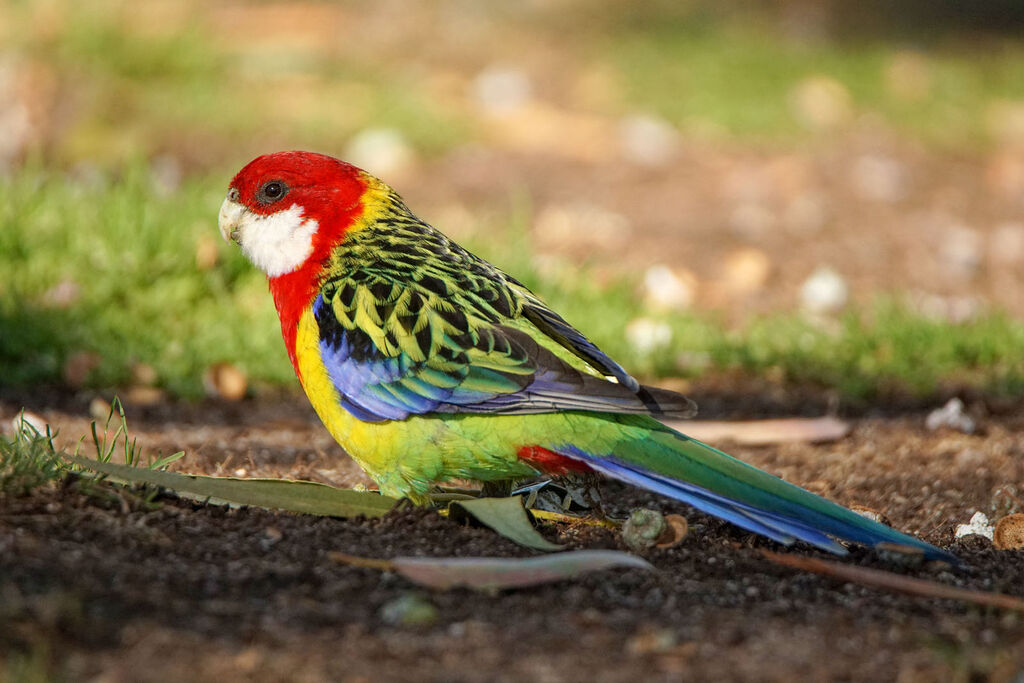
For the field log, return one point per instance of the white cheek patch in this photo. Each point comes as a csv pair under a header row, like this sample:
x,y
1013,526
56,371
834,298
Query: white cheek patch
x,y
278,243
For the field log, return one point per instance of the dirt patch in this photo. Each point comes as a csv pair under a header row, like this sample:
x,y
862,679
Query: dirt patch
x,y
96,584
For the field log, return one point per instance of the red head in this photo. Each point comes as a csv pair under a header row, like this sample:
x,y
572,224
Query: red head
x,y
290,208
287,211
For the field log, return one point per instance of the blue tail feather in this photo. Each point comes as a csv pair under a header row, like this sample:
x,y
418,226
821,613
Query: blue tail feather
x,y
791,522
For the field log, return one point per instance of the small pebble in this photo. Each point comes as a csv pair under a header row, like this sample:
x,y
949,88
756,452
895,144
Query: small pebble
x,y
646,335
1009,532
951,416
825,291
667,289
408,609
651,641
144,375
501,89
381,151
99,409
226,381
978,526
746,270
648,140
270,537
873,515
28,424
144,396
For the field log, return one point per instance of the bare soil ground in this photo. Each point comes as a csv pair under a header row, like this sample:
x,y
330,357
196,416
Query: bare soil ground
x,y
98,586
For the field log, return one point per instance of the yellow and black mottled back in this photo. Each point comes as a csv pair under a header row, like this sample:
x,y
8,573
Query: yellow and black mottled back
x,y
410,322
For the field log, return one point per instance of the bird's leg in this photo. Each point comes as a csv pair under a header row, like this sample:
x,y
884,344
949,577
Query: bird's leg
x,y
583,491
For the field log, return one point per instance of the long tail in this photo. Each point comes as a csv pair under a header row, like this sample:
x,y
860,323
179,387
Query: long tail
x,y
660,459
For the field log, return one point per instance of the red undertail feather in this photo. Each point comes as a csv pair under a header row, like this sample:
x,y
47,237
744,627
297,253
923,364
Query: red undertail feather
x,y
550,463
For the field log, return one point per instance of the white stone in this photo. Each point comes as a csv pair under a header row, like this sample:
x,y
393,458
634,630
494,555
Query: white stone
x,y
29,424
647,335
978,526
951,416
384,152
648,140
825,291
502,89
665,289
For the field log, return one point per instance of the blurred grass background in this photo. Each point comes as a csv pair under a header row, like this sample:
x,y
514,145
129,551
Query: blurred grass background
x,y
813,193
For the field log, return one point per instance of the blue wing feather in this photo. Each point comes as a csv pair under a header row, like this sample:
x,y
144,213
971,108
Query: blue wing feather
x,y
790,522
377,386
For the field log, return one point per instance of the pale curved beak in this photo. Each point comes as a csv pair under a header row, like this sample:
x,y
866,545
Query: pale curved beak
x,y
230,217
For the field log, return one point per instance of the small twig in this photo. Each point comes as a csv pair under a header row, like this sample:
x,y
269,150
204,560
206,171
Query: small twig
x,y
549,516
878,578
355,561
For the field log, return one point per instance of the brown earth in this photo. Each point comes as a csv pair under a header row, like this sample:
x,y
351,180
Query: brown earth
x,y
100,586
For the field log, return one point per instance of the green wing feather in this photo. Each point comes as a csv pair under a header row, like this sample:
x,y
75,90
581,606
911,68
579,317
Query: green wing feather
x,y
410,322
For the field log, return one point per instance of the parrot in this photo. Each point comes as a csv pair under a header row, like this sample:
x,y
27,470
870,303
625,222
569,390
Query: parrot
x,y
426,363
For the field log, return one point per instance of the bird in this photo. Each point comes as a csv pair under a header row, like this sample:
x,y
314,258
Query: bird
x,y
426,363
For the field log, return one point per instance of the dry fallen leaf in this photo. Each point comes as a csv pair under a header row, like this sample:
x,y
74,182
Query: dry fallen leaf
x,y
494,573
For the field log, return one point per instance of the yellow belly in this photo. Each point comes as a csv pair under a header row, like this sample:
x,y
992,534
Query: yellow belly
x,y
405,457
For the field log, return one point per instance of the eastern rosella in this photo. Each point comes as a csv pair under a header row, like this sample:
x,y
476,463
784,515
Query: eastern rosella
x,y
427,363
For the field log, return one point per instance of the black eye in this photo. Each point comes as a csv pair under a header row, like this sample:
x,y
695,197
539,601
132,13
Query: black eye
x,y
271,192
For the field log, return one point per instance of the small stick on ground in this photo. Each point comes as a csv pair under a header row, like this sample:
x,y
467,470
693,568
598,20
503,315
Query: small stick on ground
x,y
878,578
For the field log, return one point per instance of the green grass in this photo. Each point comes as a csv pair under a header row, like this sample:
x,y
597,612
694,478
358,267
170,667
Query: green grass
x,y
130,257
28,461
127,253
738,78
184,89
132,94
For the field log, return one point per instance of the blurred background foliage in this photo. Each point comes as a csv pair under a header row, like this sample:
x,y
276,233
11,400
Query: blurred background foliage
x,y
814,193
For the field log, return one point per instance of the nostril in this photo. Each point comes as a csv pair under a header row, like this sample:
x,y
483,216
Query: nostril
x,y
233,194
